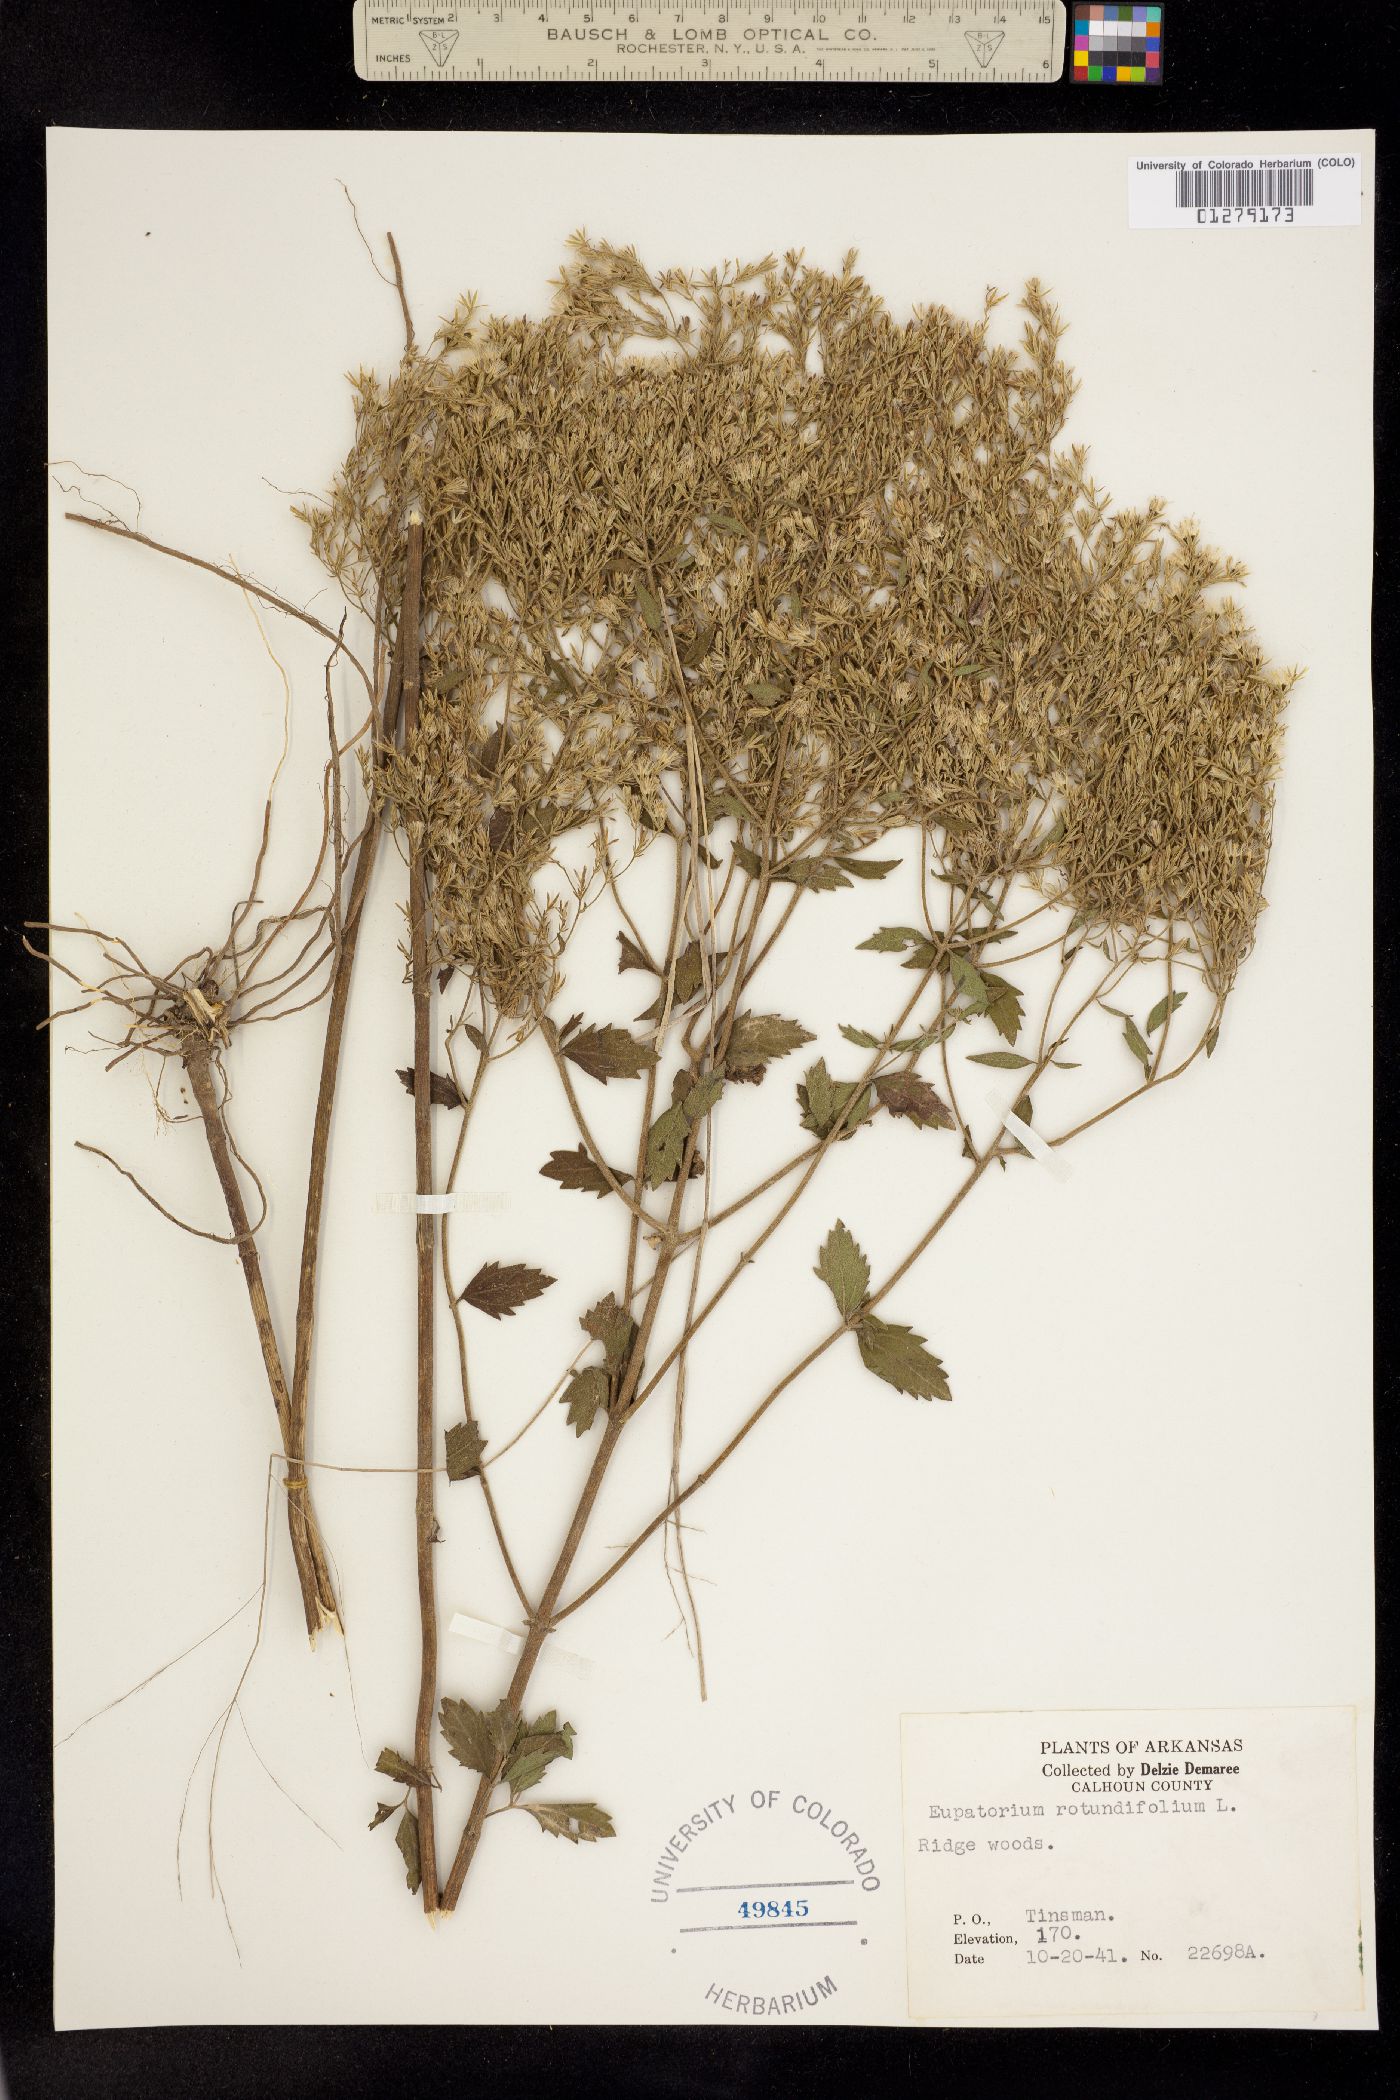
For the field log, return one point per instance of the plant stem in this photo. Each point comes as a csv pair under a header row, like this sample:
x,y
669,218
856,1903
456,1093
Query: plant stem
x,y
425,1233
313,1573
365,855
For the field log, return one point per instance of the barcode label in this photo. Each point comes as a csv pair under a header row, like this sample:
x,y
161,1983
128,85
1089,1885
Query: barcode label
x,y
1196,187
1246,190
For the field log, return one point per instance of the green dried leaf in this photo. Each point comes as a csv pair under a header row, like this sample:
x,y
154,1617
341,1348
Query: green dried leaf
x,y
889,940
651,609
898,1355
764,689
844,1270
812,872
756,1039
613,1326
498,1289
1160,1011
579,1170
1212,1038
1132,1037
407,1835
866,870
968,982
382,1812
689,979
587,1391
726,522
630,956
1003,1008
395,1766
906,1094
666,1141
1000,1060
861,1037
609,1053
526,1770
465,1444
823,1099
581,1822
468,1734
443,1091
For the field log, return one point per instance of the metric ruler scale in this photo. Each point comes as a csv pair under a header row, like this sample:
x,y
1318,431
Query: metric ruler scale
x,y
710,40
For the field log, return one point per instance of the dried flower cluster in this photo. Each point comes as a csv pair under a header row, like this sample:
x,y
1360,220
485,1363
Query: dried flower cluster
x,y
747,521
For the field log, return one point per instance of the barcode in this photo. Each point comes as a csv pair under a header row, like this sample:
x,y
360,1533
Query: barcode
x,y
1198,188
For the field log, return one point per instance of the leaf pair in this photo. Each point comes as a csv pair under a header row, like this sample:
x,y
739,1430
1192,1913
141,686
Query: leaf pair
x,y
593,1387
892,1352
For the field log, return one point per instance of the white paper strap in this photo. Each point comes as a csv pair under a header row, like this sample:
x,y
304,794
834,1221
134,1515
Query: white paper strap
x,y
505,1642
413,1206
1033,1141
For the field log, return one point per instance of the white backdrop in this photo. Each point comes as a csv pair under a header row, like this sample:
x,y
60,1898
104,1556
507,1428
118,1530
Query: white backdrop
x,y
1154,1487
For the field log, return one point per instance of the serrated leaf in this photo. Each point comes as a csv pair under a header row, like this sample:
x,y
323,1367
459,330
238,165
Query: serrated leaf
x,y
1160,1011
898,1355
585,1393
702,1097
609,1053
468,1735
548,1737
500,1289
1000,1060
526,1770
630,956
812,872
906,1094
889,940
823,1100
443,1091
666,1141
395,1766
613,1326
505,1728
407,1835
1133,1038
465,1445
581,1822
866,870
844,1270
382,1812
1003,1008
968,982
690,976
669,1134
756,1039
579,1170
861,1037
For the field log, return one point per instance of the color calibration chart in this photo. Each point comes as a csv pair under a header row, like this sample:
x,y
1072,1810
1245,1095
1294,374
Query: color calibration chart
x,y
1116,46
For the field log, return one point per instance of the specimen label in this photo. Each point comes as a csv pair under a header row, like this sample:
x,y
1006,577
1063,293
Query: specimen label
x,y
1192,1865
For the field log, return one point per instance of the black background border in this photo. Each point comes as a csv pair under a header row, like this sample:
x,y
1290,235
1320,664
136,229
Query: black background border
x,y
278,64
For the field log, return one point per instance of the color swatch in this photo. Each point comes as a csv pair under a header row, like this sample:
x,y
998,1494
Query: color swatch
x,y
1117,46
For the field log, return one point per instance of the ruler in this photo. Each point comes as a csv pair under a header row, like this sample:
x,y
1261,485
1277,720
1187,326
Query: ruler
x,y
965,42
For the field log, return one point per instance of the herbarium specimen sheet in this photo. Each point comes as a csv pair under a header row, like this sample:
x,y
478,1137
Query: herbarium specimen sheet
x,y
709,935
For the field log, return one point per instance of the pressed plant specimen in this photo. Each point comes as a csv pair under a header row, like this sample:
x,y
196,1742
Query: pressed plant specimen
x,y
701,591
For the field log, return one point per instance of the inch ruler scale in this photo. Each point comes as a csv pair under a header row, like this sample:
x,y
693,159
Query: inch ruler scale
x,y
948,42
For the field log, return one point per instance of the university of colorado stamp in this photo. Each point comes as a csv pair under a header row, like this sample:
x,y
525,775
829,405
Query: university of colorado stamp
x,y
764,1895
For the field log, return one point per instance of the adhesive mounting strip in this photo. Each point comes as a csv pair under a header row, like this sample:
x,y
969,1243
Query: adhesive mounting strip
x,y
507,1643
411,1206
1032,1140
